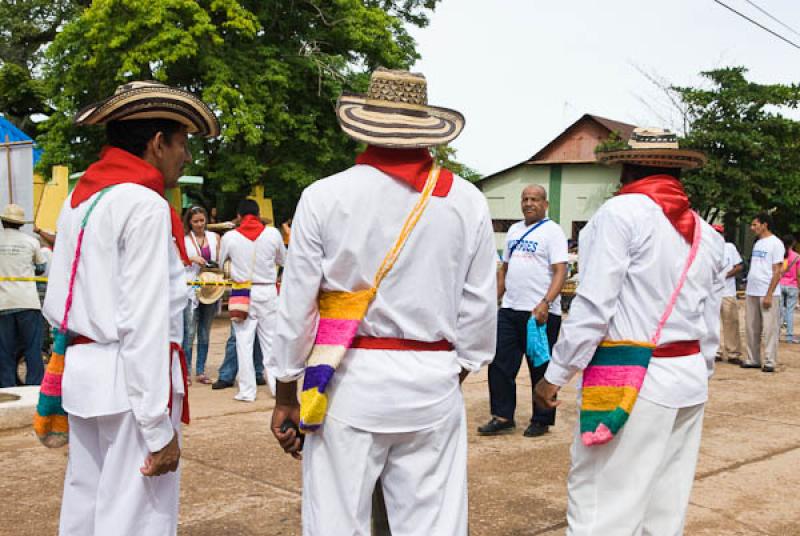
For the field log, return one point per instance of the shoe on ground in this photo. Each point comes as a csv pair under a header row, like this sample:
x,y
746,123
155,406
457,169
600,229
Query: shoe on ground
x,y
768,368
241,398
260,380
718,359
735,361
221,384
535,429
750,365
202,378
495,426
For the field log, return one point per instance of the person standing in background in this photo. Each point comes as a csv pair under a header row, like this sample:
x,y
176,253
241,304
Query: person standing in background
x,y
730,346
788,284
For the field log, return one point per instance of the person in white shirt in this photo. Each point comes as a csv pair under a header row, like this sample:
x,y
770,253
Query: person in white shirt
x,y
395,409
254,250
124,378
20,316
650,293
730,346
530,280
762,313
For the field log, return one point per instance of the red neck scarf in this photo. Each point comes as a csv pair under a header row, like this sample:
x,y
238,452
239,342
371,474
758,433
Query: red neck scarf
x,y
117,166
668,193
410,166
250,227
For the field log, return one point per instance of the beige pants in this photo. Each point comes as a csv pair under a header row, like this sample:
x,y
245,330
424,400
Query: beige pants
x,y
766,322
730,346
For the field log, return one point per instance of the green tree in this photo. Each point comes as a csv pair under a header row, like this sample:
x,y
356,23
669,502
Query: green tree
x,y
753,148
445,156
270,69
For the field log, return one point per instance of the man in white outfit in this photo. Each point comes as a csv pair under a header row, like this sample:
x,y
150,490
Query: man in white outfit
x,y
124,380
254,250
395,407
633,256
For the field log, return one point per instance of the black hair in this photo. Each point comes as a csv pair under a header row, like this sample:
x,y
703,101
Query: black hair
x,y
247,207
635,172
788,241
11,225
764,217
133,135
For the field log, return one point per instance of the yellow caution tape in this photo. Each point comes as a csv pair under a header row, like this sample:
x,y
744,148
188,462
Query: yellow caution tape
x,y
195,283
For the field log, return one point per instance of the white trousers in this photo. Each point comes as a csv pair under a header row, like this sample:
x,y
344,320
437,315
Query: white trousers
x,y
104,491
639,483
260,322
423,473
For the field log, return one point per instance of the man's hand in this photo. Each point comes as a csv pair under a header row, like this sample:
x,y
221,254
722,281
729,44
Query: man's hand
x,y
164,461
287,407
767,301
545,394
462,375
540,312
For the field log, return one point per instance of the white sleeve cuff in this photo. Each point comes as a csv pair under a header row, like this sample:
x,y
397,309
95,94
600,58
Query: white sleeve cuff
x,y
558,375
158,435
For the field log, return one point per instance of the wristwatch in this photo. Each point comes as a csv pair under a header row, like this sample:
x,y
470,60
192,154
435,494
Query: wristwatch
x,y
548,302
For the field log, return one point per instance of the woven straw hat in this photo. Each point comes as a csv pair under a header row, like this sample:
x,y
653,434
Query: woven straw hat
x,y
654,147
14,214
212,293
152,100
395,113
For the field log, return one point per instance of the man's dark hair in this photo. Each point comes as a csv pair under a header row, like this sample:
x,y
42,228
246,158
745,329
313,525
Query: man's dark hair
x,y
764,217
247,207
12,225
788,241
133,135
635,172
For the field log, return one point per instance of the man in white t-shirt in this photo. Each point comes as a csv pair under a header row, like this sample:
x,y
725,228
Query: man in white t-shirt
x,y
20,309
730,346
762,311
529,283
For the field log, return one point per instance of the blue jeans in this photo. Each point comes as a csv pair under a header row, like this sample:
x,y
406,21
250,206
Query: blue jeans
x,y
788,303
21,330
197,320
230,366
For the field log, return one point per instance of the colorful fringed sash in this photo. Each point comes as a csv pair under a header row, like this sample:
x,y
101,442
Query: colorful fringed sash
x,y
614,377
50,420
239,300
340,314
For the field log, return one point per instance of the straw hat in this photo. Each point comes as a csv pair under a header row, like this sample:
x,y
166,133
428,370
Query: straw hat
x,y
211,293
395,113
654,147
152,100
14,214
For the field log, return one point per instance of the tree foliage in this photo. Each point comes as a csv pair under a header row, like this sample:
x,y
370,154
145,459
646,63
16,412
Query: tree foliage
x,y
753,149
270,69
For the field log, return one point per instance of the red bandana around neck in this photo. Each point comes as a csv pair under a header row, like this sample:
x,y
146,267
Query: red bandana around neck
x,y
668,193
411,166
117,166
250,227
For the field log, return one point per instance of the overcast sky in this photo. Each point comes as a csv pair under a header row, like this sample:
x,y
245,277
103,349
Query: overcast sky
x,y
522,70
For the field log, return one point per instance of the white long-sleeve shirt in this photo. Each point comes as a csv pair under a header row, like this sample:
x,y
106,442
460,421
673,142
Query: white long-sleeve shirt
x,y
631,258
443,286
128,297
245,266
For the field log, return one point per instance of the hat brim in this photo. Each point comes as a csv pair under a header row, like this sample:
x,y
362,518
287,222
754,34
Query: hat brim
x,y
396,125
210,294
668,158
11,219
153,102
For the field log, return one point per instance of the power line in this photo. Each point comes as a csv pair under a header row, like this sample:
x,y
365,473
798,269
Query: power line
x,y
776,34
773,17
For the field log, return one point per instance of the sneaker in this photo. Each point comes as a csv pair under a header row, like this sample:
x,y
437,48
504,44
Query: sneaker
x,y
718,359
221,384
535,429
260,380
750,365
495,426
768,368
734,361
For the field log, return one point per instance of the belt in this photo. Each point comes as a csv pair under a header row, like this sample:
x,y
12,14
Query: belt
x,y
677,349
392,343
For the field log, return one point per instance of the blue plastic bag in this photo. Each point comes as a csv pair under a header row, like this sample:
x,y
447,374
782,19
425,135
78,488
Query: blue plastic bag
x,y
538,350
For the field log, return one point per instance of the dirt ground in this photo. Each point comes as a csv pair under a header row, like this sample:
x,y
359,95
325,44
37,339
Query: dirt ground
x,y
236,480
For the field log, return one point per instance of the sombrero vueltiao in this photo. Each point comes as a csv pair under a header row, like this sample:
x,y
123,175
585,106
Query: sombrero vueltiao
x,y
654,147
211,293
395,113
152,100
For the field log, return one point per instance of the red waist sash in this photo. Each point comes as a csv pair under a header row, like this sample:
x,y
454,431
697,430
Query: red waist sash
x,y
392,343
677,349
173,347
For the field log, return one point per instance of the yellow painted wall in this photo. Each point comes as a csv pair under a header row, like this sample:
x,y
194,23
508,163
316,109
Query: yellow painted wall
x,y
48,197
264,204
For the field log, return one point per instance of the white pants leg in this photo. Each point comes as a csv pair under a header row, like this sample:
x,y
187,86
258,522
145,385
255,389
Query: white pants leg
x,y
618,489
104,491
245,337
424,476
266,315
